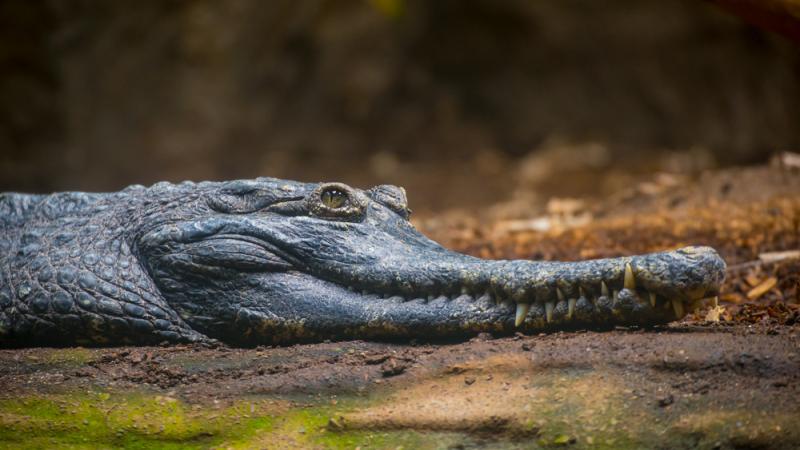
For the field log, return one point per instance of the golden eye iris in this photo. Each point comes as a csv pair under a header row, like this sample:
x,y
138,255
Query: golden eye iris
x,y
333,198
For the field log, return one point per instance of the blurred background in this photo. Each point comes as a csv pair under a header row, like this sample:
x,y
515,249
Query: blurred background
x,y
466,103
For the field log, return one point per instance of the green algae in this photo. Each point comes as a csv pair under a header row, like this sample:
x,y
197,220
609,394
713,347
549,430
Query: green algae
x,y
102,420
98,420
309,428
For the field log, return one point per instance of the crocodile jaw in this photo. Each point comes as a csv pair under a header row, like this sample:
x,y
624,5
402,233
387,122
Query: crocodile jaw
x,y
465,296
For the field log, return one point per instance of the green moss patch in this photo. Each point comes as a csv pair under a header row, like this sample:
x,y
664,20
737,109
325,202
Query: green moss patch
x,y
102,420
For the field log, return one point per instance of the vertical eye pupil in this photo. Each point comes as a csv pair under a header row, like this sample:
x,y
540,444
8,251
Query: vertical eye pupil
x,y
333,198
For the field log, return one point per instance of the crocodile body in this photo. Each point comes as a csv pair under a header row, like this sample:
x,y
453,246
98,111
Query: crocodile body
x,y
270,261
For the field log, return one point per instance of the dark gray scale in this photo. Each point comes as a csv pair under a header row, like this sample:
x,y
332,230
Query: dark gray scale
x,y
5,298
90,259
537,316
133,310
108,289
109,307
45,274
141,326
604,308
87,281
560,312
40,303
66,275
86,301
24,290
629,304
63,302
5,324
584,310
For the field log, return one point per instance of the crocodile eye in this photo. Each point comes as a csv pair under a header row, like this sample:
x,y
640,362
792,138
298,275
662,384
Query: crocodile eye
x,y
333,198
337,201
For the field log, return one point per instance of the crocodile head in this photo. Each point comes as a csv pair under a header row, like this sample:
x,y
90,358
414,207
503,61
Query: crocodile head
x,y
271,261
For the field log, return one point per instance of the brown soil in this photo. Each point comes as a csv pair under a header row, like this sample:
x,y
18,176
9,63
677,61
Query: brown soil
x,y
487,388
771,354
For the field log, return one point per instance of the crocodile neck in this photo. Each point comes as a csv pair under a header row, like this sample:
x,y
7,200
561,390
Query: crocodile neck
x,y
70,264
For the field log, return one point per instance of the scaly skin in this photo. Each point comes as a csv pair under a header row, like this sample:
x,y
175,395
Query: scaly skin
x,y
268,261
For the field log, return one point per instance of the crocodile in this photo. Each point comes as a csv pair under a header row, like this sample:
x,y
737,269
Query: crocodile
x,y
276,262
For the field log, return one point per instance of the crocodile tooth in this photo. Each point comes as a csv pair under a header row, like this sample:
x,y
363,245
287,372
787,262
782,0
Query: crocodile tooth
x,y
630,281
464,290
615,295
677,306
603,289
548,308
559,294
652,300
716,301
581,292
571,307
522,311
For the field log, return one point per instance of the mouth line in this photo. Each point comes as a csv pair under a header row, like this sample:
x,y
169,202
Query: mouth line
x,y
584,304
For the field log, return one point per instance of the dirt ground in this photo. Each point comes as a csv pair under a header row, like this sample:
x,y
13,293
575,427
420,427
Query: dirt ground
x,y
725,377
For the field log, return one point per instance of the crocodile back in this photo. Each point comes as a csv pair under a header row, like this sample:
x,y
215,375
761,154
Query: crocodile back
x,y
19,209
